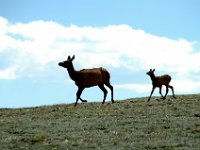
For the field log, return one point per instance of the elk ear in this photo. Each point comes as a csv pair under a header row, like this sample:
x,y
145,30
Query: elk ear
x,y
153,70
150,70
68,58
73,57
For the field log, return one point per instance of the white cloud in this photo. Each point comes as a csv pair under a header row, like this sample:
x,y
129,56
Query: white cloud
x,y
39,44
8,73
139,88
186,86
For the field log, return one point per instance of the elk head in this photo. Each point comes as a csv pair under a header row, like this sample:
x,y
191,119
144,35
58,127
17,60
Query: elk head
x,y
67,62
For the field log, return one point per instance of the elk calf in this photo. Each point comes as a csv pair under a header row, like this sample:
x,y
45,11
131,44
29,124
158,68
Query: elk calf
x,y
87,78
158,81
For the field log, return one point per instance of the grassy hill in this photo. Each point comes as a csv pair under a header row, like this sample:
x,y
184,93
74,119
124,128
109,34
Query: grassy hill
x,y
128,124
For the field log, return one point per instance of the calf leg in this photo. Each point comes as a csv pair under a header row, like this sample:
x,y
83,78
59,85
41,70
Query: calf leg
x,y
111,89
160,91
151,93
101,86
167,90
171,87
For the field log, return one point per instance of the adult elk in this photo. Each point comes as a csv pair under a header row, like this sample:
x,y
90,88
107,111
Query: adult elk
x,y
88,78
158,81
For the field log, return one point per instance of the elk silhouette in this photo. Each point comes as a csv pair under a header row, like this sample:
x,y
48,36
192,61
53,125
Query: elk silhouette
x,y
158,81
88,78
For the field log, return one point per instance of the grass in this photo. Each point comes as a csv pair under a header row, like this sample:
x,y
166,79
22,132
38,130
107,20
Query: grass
x,y
129,124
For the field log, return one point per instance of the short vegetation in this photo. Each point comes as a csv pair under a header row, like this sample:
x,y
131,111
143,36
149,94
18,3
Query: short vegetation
x,y
129,124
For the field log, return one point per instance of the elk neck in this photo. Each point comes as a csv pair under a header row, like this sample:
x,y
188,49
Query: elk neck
x,y
72,72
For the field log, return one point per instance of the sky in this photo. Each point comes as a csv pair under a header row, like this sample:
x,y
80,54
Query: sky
x,y
127,37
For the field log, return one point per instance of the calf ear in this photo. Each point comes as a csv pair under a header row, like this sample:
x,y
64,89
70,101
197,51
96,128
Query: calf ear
x,y
68,58
73,57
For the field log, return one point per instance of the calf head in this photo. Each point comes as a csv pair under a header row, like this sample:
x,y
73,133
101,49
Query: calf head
x,y
151,72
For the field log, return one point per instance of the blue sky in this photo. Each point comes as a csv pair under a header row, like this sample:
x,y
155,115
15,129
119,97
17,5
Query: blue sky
x,y
127,37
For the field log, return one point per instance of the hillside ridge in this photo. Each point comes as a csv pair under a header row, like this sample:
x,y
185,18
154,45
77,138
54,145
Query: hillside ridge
x,y
127,124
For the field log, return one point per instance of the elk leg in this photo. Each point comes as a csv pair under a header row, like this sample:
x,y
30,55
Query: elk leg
x,y
111,89
151,93
171,87
82,100
101,86
78,94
